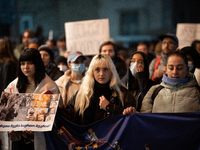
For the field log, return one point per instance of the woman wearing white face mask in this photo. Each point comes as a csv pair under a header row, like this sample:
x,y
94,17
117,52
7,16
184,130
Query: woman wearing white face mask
x,y
193,61
137,77
70,82
193,58
61,63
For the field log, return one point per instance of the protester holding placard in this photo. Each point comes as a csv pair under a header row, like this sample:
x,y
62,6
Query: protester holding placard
x,y
70,82
110,49
31,79
101,93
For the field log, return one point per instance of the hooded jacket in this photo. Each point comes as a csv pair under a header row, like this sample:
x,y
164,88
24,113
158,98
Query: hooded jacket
x,y
140,84
171,99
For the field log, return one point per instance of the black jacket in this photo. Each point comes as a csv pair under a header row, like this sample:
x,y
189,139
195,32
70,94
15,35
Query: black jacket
x,y
7,73
140,84
120,66
55,73
94,113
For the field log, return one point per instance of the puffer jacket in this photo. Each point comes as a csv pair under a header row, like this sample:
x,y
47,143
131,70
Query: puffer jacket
x,y
181,99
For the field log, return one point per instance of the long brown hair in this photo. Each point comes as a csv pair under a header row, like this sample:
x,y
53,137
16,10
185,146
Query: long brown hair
x,y
6,50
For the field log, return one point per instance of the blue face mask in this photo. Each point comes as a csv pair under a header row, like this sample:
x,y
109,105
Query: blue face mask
x,y
78,68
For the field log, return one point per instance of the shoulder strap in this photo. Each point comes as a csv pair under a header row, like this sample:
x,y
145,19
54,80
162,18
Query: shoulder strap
x,y
155,93
157,62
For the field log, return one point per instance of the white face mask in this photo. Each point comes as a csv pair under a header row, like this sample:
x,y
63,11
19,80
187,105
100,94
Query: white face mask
x,y
190,65
78,68
62,67
133,68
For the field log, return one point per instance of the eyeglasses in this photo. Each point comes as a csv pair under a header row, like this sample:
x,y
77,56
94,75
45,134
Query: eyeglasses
x,y
139,62
169,43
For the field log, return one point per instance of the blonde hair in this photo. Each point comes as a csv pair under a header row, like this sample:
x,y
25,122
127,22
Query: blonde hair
x,y
86,89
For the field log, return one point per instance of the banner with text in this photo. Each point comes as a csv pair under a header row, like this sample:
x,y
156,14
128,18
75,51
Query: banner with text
x,y
87,36
22,111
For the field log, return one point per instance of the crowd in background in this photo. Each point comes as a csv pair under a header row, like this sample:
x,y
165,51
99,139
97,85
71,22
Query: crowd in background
x,y
152,77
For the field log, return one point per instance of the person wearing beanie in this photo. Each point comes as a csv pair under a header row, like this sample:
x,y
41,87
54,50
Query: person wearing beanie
x,y
47,57
61,63
70,82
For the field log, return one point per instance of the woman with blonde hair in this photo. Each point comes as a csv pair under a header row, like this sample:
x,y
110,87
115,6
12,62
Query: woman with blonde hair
x,y
101,93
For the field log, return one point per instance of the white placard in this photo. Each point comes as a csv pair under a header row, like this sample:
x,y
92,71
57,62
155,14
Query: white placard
x,y
28,111
187,33
87,36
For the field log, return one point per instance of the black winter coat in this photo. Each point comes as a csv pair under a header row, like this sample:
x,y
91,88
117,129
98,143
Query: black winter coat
x,y
94,113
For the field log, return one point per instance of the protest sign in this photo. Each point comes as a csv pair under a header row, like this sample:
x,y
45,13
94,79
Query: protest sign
x,y
187,33
86,36
22,111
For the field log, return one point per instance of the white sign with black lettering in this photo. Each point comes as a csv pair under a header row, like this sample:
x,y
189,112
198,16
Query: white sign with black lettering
x,y
187,33
87,36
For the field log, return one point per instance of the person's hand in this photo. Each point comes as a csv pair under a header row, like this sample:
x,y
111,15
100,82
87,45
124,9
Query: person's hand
x,y
29,132
129,110
158,74
103,102
13,132
140,68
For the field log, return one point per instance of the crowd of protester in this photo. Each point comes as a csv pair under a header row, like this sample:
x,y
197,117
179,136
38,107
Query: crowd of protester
x,y
115,81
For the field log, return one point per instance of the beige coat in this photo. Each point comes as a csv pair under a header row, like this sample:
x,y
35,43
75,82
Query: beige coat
x,y
67,86
171,99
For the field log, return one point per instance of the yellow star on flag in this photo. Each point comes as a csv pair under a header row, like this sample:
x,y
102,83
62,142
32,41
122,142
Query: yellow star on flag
x,y
60,132
78,148
95,145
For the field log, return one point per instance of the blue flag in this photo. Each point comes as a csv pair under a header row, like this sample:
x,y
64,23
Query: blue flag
x,y
140,131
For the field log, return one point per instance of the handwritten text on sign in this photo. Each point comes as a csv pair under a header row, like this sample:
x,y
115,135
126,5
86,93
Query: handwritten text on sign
x,y
87,36
187,33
